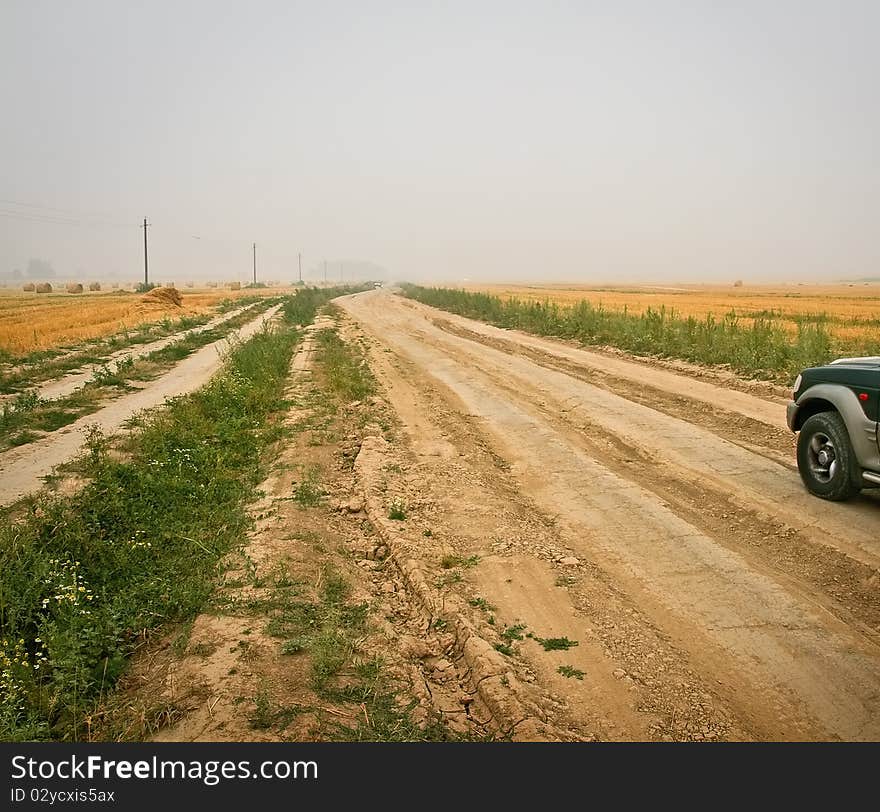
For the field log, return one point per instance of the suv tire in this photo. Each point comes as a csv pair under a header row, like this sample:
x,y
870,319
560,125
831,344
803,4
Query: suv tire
x,y
826,460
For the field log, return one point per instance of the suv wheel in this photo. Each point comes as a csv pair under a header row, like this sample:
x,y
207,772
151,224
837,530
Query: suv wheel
x,y
826,460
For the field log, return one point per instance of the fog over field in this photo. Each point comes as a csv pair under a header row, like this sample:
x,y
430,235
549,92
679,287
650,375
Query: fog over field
x,y
688,141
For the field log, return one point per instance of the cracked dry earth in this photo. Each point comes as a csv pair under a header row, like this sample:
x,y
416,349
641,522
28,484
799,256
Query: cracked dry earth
x,y
633,542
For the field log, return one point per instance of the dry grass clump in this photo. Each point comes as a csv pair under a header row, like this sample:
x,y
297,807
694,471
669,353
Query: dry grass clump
x,y
74,287
94,285
28,287
44,287
165,296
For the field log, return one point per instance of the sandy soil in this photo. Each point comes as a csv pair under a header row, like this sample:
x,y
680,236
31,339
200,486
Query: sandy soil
x,y
654,520
22,469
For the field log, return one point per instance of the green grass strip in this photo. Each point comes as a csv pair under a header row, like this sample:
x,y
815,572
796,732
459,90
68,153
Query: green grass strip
x,y
82,578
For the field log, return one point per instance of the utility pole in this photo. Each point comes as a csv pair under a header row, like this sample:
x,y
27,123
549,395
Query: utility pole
x,y
146,263
299,261
255,264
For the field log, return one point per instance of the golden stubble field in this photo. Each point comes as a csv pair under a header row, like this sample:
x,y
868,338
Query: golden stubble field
x,y
848,311
33,321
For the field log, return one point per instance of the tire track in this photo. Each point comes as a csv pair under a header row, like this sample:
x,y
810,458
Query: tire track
x,y
756,482
775,443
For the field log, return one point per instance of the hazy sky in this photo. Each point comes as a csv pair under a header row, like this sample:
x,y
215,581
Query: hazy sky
x,y
542,140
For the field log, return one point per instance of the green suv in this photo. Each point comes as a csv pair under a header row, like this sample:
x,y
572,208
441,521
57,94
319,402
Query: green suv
x,y
835,409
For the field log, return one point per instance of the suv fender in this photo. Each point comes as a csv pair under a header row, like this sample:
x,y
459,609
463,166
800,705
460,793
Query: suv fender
x,y
862,430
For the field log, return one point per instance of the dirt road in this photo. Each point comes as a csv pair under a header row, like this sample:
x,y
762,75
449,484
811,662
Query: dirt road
x,y
22,469
68,384
653,520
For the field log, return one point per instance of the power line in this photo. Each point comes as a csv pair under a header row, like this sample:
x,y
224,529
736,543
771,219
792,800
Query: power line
x,y
59,220
59,213
38,218
55,208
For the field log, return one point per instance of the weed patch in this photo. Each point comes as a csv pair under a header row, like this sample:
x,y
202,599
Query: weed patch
x,y
514,632
348,375
482,604
308,491
555,643
397,510
451,561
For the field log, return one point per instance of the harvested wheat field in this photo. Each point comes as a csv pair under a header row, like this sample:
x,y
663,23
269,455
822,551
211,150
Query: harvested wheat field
x,y
847,310
30,321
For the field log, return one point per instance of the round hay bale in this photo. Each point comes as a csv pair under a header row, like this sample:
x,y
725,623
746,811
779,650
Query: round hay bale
x,y
94,285
74,287
44,287
235,285
164,296
28,287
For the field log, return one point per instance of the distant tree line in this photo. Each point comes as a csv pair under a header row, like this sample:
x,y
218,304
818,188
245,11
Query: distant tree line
x,y
36,269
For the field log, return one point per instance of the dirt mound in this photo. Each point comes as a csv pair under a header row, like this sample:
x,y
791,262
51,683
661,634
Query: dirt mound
x,y
165,296
94,285
74,287
44,287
